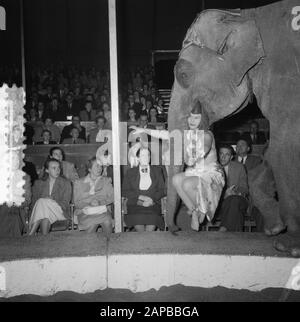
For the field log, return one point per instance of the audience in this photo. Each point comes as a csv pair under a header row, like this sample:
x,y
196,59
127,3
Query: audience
x,y
58,93
51,198
93,196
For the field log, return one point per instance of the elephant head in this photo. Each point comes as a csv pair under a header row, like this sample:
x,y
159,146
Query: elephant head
x,y
217,53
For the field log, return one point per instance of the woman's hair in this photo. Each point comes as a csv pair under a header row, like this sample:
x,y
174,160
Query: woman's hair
x,y
45,175
90,163
57,148
197,108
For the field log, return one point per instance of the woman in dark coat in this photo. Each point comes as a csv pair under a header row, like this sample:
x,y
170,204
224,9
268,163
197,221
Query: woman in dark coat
x,y
144,187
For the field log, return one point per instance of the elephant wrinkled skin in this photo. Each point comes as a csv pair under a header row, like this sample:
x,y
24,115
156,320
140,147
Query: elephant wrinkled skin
x,y
227,57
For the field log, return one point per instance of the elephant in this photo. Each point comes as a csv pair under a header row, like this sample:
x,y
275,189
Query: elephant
x,y
225,59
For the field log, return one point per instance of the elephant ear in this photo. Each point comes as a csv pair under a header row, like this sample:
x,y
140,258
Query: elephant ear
x,y
231,36
242,47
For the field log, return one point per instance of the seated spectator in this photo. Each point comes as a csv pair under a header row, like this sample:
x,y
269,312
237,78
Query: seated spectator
x,y
46,138
144,187
28,134
143,121
234,202
30,169
254,136
243,148
78,99
69,107
56,111
51,198
124,111
13,218
41,112
143,104
48,125
98,134
88,114
68,169
153,115
33,119
107,114
74,139
131,115
93,195
66,132
160,106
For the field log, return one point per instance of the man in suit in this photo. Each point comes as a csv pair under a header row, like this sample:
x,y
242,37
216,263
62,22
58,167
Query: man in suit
x,y
234,202
69,107
56,111
88,114
243,147
45,138
67,129
254,136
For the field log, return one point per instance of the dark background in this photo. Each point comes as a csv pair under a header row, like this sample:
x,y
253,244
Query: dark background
x,y
76,31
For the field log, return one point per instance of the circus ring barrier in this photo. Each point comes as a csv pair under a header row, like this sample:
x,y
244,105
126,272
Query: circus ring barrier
x,y
72,261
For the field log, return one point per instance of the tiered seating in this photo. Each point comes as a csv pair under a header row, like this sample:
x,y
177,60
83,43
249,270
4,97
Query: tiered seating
x,y
165,94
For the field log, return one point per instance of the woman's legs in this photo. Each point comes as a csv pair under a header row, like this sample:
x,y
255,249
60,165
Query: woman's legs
x,y
45,226
178,180
150,228
34,227
190,186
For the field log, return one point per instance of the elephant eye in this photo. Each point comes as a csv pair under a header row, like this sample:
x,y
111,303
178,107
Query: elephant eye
x,y
184,73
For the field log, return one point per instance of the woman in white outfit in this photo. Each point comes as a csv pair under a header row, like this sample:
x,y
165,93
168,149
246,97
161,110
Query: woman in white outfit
x,y
200,185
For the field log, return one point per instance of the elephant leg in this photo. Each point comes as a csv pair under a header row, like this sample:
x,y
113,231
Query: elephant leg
x,y
287,177
262,191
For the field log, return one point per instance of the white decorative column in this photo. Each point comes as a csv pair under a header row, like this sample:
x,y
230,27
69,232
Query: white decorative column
x,y
11,145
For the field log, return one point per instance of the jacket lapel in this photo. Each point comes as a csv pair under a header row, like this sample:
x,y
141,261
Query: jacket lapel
x,y
230,174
